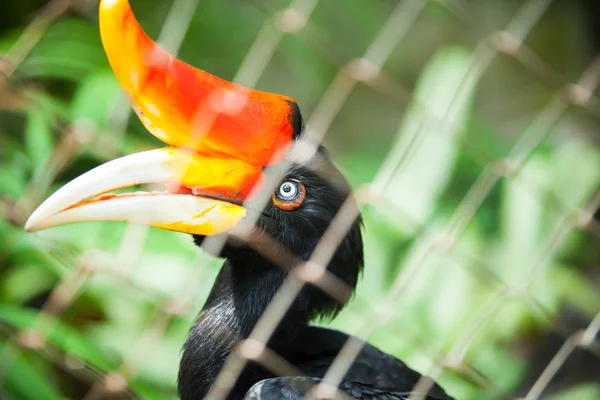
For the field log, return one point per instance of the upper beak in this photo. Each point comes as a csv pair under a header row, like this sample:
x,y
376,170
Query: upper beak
x,y
221,137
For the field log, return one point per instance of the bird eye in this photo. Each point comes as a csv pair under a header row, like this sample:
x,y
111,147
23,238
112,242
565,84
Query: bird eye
x,y
288,191
290,195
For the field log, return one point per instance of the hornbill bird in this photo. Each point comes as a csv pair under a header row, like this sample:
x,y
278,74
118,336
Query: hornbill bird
x,y
221,138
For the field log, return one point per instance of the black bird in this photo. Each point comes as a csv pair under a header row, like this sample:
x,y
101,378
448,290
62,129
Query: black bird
x,y
222,137
235,304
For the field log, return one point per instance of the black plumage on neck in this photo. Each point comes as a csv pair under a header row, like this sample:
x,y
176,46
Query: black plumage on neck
x,y
248,281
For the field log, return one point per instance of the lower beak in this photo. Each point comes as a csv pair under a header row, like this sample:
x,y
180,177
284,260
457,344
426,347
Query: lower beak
x,y
204,196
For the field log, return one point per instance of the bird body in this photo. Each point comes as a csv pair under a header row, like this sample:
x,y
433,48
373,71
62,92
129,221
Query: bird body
x,y
218,153
230,313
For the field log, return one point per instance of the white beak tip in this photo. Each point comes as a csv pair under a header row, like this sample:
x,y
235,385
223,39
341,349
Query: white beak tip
x,y
37,220
32,225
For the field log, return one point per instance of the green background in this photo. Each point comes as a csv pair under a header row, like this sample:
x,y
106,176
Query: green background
x,y
62,113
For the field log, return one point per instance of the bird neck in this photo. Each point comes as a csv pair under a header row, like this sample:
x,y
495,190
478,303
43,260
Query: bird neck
x,y
242,292
243,289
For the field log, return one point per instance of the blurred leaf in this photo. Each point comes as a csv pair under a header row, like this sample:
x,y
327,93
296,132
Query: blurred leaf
x,y
588,391
575,289
25,249
95,97
54,107
11,184
65,338
38,137
521,222
66,78
14,175
8,39
506,369
452,281
427,136
149,389
574,170
58,55
24,381
23,282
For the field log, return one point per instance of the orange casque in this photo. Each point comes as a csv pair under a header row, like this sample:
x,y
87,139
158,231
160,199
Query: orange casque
x,y
189,108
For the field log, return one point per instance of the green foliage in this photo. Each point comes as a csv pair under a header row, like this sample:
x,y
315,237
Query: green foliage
x,y
443,140
61,336
25,380
69,51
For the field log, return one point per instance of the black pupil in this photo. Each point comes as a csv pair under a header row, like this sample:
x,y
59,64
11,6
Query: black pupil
x,y
287,188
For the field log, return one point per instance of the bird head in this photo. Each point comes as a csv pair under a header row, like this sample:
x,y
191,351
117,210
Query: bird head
x,y
221,138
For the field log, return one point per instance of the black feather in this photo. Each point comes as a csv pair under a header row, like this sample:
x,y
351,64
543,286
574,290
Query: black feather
x,y
247,283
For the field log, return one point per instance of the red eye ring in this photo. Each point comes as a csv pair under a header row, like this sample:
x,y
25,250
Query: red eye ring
x,y
289,205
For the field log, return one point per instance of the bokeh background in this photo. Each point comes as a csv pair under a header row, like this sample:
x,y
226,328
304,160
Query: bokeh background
x,y
98,309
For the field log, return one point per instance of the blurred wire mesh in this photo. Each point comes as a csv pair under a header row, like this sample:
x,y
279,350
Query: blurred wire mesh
x,y
468,130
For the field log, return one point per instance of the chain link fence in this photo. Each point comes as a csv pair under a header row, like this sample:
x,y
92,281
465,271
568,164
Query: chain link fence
x,y
522,213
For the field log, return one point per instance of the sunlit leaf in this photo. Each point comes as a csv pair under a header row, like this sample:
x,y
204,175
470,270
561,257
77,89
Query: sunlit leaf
x,y
426,147
521,222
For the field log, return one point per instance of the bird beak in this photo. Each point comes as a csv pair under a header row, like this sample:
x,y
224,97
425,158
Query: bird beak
x,y
220,136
